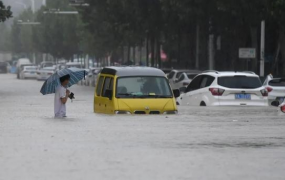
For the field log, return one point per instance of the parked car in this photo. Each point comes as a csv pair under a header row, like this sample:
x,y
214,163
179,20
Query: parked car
x,y
46,64
74,64
184,80
280,104
275,88
29,72
45,73
20,64
213,88
174,75
3,67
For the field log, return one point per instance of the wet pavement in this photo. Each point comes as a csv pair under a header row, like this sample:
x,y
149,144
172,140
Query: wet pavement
x,y
200,143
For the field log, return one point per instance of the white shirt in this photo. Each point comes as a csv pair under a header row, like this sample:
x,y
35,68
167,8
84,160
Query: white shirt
x,y
59,107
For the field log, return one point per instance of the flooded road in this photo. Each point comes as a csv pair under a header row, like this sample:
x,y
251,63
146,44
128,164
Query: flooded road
x,y
199,143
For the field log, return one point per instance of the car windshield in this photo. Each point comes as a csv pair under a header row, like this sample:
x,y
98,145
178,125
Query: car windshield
x,y
277,82
240,82
143,87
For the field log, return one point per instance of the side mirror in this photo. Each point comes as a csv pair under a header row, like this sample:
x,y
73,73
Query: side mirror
x,y
275,103
108,94
176,93
182,89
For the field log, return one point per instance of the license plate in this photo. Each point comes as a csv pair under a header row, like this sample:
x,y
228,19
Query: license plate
x,y
32,73
243,96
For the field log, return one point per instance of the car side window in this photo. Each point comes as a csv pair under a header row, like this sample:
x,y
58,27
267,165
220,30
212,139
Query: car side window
x,y
106,85
206,81
181,78
203,82
99,86
195,84
210,81
171,74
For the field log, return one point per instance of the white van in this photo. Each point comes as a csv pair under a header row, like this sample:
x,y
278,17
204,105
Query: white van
x,y
21,62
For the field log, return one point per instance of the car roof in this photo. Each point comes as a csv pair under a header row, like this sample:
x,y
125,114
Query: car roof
x,y
133,71
230,73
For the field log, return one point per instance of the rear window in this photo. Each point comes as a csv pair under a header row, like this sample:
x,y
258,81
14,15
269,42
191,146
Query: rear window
x,y
277,82
240,82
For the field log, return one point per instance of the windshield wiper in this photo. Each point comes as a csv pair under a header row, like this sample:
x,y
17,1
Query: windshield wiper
x,y
159,96
130,95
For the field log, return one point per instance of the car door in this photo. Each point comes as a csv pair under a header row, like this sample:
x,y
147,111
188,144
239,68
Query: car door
x,y
204,92
192,93
108,104
98,100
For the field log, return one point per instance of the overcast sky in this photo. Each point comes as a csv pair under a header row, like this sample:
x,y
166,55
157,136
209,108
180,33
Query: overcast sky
x,y
19,5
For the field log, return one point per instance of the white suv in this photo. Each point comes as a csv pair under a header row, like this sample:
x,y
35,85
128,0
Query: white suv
x,y
213,88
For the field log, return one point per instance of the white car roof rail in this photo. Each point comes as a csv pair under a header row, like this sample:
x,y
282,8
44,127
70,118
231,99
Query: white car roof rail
x,y
249,72
208,71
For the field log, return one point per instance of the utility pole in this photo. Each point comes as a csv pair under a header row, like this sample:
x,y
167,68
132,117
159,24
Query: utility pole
x,y
211,52
197,46
262,49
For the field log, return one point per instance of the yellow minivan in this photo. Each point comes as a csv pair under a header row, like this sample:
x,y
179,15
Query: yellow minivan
x,y
134,90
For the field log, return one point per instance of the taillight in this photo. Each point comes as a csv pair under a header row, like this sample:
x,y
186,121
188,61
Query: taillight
x,y
283,108
50,74
269,89
217,91
264,92
185,84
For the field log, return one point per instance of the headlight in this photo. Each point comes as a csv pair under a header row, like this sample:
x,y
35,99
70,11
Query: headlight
x,y
170,112
123,112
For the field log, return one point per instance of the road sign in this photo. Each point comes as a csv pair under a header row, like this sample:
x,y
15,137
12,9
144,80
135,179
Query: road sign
x,y
247,53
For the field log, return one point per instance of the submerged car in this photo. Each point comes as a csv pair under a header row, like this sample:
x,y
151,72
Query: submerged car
x,y
45,73
134,90
275,88
184,80
3,67
29,72
213,88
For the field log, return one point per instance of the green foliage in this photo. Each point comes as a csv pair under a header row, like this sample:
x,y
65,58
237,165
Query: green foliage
x,y
57,34
5,12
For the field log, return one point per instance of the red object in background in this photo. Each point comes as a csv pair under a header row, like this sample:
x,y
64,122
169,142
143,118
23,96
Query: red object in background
x,y
283,108
163,56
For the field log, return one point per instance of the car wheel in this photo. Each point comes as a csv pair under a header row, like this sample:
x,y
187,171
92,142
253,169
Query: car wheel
x,y
203,104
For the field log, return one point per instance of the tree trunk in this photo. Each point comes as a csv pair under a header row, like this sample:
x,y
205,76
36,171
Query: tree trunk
x,y
147,51
152,44
129,54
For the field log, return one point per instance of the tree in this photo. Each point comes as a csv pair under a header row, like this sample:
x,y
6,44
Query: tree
x,y
5,12
57,35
